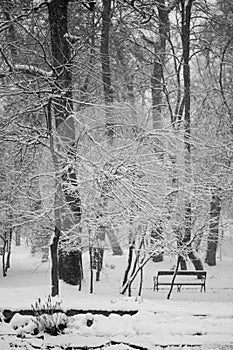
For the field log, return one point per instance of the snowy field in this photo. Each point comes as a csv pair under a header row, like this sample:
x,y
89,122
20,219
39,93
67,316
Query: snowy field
x,y
190,318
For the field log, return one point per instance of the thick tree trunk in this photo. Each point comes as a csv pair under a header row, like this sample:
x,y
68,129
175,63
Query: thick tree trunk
x,y
7,239
157,74
99,262
186,18
196,261
157,92
183,263
212,243
106,70
108,98
54,259
70,266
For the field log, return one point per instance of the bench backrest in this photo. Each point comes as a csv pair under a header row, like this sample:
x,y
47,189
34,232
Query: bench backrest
x,y
183,273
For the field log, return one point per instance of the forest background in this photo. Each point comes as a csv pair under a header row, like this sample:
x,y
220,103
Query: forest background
x,y
116,131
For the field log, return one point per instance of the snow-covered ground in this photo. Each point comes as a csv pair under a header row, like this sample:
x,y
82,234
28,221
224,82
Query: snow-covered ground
x,y
189,318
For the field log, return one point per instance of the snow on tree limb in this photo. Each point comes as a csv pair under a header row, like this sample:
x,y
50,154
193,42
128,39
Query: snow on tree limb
x,y
33,70
24,68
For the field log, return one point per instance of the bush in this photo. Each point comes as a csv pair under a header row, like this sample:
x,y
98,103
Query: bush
x,y
49,317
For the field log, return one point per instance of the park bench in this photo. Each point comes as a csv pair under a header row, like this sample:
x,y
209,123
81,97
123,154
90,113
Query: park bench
x,y
183,278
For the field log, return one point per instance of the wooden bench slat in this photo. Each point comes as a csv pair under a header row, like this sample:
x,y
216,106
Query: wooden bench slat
x,y
183,272
180,283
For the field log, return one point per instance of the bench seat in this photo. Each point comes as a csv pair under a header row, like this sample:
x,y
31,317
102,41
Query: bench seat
x,y
182,279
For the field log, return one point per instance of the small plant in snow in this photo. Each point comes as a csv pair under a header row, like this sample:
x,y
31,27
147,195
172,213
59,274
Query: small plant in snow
x,y
49,318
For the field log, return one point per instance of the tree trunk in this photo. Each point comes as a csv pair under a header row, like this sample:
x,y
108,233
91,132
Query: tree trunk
x,y
8,258
70,266
129,281
7,239
196,261
174,277
156,235
113,240
130,259
4,252
99,262
186,7
181,260
157,74
108,98
183,263
106,71
140,283
17,238
157,91
212,243
91,270
54,259
186,17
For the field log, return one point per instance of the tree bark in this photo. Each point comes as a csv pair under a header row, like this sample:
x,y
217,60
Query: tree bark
x,y
70,265
212,243
186,17
108,98
174,277
91,270
4,252
8,258
129,281
106,70
140,283
157,92
186,8
54,259
157,74
129,264
17,238
156,235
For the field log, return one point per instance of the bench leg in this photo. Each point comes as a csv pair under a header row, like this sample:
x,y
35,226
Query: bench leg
x,y
156,286
203,287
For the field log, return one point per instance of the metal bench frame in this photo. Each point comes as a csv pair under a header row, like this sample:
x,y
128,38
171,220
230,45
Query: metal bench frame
x,y
201,279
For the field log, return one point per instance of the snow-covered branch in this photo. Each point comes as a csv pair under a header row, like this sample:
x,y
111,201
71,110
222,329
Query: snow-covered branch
x,y
33,70
72,38
24,68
